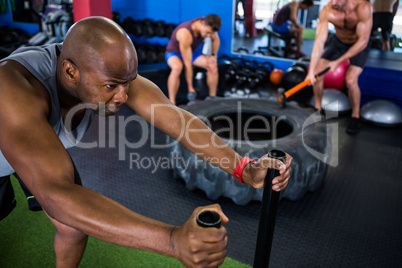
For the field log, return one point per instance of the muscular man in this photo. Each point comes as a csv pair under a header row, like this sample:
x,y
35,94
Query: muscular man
x,y
384,12
47,91
182,50
352,20
285,22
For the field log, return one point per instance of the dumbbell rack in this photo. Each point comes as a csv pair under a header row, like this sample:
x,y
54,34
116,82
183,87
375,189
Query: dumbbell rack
x,y
149,37
244,78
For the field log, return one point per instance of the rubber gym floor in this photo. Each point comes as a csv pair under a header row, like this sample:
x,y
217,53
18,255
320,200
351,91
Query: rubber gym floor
x,y
353,220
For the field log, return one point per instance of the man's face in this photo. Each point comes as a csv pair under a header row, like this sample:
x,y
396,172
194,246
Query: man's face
x,y
206,31
338,4
105,82
304,7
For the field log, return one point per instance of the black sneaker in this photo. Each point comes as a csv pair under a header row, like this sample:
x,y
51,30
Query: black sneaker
x,y
353,126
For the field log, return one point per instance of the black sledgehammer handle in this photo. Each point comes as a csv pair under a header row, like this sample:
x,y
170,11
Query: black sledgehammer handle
x,y
208,218
269,205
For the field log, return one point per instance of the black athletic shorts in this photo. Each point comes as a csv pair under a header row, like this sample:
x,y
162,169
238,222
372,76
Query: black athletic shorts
x,y
336,49
383,20
7,198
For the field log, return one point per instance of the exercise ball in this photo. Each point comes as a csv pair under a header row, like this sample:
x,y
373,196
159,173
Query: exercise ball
x,y
276,76
382,112
336,79
294,76
333,101
301,65
297,68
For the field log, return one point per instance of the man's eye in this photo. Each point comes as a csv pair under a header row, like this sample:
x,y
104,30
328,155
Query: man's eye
x,y
111,86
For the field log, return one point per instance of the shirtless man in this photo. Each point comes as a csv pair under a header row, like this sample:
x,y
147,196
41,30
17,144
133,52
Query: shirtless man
x,y
182,50
352,20
285,22
384,12
45,89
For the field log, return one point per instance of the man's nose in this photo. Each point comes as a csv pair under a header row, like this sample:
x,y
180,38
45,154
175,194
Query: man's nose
x,y
121,96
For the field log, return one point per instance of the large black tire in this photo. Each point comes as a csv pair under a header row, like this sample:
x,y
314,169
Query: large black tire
x,y
307,171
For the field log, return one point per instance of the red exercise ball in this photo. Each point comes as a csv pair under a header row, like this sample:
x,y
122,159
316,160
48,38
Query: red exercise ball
x,y
336,79
276,76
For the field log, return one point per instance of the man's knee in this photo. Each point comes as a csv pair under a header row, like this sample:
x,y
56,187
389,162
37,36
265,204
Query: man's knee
x,y
301,29
176,69
351,81
212,68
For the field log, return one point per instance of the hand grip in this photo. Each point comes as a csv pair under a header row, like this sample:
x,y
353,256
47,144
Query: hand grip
x,y
209,218
270,200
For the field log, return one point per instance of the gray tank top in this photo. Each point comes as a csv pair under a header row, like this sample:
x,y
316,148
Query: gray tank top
x,y
41,62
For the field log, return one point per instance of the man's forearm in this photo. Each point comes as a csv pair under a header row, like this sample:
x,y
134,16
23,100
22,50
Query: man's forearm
x,y
199,139
358,47
318,47
105,219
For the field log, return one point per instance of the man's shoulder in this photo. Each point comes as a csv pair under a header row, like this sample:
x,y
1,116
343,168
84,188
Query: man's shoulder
x,y
364,9
183,34
19,85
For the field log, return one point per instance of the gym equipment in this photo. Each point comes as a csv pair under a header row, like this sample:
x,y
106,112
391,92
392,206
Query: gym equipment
x,y
242,49
160,53
334,101
208,218
302,65
336,79
282,95
293,76
141,53
258,73
160,30
148,29
147,53
151,54
54,25
230,118
116,17
277,49
236,64
382,112
269,206
128,25
169,28
276,76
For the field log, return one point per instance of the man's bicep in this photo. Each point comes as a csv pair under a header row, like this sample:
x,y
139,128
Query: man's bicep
x,y
363,27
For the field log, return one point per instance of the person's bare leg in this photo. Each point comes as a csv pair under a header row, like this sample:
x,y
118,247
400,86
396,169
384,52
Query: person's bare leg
x,y
352,76
173,82
318,87
209,63
386,45
299,41
69,245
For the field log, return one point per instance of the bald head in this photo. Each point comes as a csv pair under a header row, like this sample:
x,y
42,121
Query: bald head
x,y
96,40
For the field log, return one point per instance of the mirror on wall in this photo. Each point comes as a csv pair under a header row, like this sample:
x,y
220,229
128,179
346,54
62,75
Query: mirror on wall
x,y
253,35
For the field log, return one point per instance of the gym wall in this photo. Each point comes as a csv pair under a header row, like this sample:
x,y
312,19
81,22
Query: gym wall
x,y
171,11
177,11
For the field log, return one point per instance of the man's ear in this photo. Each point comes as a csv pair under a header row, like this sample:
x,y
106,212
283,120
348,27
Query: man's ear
x,y
70,70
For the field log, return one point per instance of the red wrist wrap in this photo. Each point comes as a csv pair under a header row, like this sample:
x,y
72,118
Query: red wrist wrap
x,y
240,166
